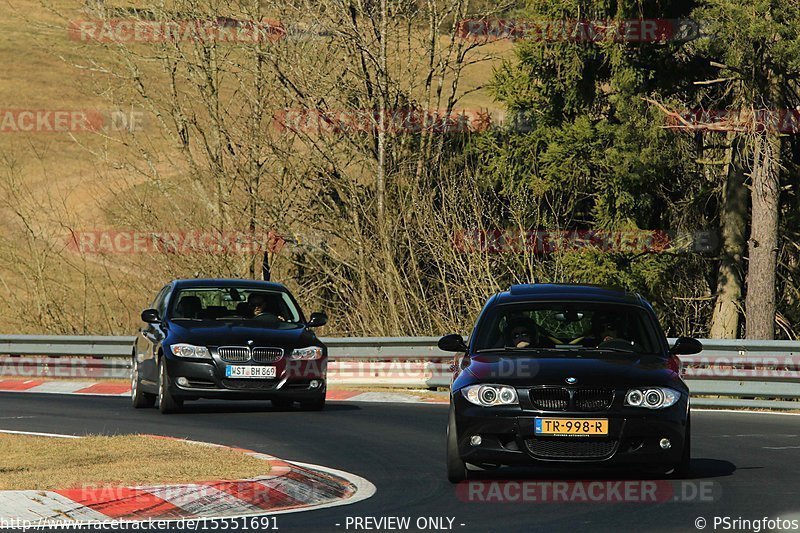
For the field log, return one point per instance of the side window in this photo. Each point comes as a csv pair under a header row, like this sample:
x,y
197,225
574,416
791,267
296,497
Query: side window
x,y
160,301
162,307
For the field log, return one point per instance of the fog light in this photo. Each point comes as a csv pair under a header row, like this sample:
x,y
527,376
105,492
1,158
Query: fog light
x,y
475,440
183,382
665,444
314,384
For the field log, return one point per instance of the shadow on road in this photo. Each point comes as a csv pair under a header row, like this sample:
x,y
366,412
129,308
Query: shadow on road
x,y
256,407
701,468
707,468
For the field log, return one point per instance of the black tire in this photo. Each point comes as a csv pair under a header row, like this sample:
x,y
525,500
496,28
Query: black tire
x,y
139,398
318,404
683,470
456,468
282,404
166,402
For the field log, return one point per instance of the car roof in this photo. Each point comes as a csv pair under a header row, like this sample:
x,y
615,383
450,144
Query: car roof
x,y
226,282
570,292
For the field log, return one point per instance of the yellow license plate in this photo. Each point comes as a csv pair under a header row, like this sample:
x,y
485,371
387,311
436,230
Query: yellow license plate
x,y
571,426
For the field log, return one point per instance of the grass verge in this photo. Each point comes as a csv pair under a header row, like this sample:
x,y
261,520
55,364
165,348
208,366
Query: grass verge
x,y
46,463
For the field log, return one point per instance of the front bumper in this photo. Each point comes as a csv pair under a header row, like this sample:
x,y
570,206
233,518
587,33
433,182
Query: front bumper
x,y
508,438
206,379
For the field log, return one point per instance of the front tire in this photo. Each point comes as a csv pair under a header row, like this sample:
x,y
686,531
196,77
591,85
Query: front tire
x,y
456,468
166,402
282,404
683,470
317,404
139,398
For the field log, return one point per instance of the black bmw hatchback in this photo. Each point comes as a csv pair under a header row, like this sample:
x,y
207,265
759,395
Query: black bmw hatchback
x,y
228,339
567,374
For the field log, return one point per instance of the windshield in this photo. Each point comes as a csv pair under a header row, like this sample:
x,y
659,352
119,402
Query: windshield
x,y
231,303
567,327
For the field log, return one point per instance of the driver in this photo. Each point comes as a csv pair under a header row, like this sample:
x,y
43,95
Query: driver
x,y
258,305
604,328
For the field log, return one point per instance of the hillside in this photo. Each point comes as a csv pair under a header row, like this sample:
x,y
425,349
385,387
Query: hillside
x,y
56,183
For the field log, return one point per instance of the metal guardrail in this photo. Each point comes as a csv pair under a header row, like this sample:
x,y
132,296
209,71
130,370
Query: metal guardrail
x,y
727,373
58,345
99,346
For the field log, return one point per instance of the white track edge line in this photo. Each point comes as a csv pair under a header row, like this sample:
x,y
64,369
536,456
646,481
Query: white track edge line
x,y
36,434
708,410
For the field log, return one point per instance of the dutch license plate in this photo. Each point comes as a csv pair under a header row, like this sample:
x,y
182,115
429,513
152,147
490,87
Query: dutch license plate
x,y
571,426
252,372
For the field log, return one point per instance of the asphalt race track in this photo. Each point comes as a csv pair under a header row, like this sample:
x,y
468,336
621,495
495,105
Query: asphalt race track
x,y
750,461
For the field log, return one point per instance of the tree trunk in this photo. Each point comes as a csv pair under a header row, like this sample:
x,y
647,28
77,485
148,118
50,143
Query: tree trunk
x,y
763,243
733,224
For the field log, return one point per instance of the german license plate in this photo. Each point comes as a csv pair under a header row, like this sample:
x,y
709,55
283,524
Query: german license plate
x,y
571,426
252,372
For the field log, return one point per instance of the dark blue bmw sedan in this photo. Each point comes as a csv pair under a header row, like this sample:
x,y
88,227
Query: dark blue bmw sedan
x,y
228,339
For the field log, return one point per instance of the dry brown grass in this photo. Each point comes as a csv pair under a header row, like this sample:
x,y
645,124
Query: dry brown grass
x,y
75,182
45,463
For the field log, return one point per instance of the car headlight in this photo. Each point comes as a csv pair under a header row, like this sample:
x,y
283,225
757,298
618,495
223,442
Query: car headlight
x,y
652,398
490,395
190,351
305,354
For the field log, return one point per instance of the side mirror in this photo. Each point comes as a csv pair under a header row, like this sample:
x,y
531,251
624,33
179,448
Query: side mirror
x,y
150,316
452,343
317,320
686,346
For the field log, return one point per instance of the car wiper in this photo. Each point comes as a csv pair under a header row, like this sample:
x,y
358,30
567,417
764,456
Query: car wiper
x,y
528,349
615,350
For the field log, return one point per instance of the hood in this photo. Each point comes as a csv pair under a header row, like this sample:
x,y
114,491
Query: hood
x,y
607,370
237,333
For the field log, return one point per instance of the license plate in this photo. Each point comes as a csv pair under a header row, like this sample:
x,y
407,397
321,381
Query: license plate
x,y
571,426
252,372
